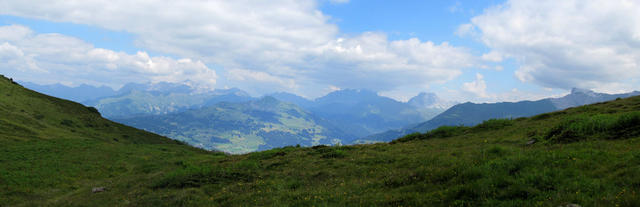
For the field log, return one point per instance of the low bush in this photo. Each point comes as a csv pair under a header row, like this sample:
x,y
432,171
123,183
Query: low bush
x,y
67,122
329,152
93,110
493,124
440,132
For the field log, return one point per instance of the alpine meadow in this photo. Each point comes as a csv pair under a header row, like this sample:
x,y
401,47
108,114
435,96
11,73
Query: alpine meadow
x,y
320,103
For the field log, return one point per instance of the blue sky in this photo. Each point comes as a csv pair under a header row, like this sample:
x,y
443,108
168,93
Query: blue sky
x,y
481,51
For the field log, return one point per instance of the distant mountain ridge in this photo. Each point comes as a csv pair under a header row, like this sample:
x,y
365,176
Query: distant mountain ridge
x,y
470,114
430,101
359,112
244,127
79,93
162,98
364,112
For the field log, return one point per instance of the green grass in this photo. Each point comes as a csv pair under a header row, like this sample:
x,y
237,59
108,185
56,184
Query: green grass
x,y
47,163
602,126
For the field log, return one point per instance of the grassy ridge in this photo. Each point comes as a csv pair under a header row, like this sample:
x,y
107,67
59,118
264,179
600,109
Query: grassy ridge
x,y
53,149
586,155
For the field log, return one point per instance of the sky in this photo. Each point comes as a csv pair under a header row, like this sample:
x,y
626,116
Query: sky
x,y
479,51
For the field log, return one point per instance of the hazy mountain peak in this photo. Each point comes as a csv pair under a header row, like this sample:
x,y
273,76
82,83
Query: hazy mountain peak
x,y
160,87
429,100
349,95
292,98
80,93
579,97
231,91
267,101
424,99
582,90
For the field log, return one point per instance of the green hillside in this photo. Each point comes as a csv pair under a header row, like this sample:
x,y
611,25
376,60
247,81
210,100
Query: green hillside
x,y
54,152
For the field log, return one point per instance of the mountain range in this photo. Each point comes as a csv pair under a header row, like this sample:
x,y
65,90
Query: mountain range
x,y
351,113
140,100
79,93
244,127
470,114
363,112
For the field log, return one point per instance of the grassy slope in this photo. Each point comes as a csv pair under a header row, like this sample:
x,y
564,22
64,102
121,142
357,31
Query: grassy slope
x,y
488,165
52,151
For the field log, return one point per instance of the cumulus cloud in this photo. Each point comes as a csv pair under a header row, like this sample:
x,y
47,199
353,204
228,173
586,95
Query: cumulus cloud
x,y
372,61
477,87
48,57
262,82
564,44
13,57
235,33
280,42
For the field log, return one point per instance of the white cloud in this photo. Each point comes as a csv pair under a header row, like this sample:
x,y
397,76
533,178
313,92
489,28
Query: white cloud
x,y
465,30
224,32
262,80
477,87
371,61
564,44
13,57
48,57
492,56
288,40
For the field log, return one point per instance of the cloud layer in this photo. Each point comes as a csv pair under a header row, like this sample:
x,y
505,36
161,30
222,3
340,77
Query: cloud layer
x,y
60,58
279,44
563,44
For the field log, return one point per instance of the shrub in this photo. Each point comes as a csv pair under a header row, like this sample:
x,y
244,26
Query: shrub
x,y
38,116
408,137
93,110
334,153
328,152
67,122
447,131
493,124
440,132
498,151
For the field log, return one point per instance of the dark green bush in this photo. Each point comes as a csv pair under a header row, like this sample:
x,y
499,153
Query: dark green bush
x,y
447,131
67,122
440,132
328,152
334,153
493,124
547,115
409,137
93,110
38,116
